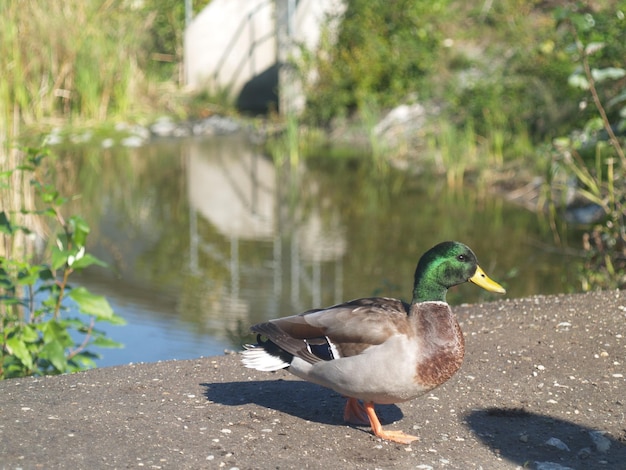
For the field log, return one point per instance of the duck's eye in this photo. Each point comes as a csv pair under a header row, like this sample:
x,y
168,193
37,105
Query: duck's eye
x,y
461,257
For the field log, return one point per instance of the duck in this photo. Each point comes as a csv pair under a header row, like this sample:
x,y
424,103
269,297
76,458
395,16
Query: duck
x,y
377,350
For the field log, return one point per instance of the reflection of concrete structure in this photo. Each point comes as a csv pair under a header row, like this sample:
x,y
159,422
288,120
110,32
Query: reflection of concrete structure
x,y
239,46
233,187
237,190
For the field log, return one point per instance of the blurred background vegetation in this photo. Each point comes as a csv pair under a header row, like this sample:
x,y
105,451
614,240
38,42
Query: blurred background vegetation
x,y
497,77
499,65
502,66
93,60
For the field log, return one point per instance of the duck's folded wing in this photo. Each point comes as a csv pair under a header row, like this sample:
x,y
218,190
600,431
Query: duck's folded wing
x,y
285,341
359,323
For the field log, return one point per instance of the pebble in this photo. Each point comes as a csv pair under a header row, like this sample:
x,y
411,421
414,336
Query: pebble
x,y
132,141
558,443
601,443
551,466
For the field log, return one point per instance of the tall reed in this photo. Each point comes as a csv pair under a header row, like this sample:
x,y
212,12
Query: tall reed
x,y
69,58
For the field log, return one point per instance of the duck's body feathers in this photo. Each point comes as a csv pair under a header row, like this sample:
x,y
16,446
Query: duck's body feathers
x,y
355,348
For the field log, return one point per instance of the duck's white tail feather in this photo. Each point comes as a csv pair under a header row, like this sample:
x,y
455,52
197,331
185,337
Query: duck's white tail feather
x,y
255,357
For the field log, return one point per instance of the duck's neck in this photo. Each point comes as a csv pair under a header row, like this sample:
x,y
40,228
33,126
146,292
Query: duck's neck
x,y
426,290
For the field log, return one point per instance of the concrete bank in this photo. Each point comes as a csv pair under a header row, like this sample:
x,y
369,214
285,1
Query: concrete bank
x,y
543,386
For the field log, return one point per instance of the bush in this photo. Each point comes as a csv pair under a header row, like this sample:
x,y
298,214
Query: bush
x,y
383,52
594,154
40,333
500,66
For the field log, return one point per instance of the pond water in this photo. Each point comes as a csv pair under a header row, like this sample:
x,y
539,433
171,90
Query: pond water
x,y
206,237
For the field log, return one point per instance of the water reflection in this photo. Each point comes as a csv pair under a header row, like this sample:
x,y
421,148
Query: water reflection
x,y
207,237
247,232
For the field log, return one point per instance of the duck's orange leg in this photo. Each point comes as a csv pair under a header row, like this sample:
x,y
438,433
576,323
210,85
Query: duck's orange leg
x,y
354,413
377,429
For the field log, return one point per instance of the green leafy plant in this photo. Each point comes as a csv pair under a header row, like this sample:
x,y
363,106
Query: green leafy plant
x,y
595,154
48,326
382,53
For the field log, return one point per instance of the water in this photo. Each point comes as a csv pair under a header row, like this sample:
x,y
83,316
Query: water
x,y
206,237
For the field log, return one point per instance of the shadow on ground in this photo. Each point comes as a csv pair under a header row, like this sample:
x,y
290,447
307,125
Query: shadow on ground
x,y
297,398
523,437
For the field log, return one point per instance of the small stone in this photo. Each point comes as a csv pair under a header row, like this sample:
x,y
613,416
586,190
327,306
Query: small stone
x,y
132,141
558,443
551,466
602,443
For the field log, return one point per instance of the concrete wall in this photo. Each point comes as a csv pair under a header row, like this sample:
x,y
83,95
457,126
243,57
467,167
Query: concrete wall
x,y
239,45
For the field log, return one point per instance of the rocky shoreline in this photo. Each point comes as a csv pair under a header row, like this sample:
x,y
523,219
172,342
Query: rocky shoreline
x,y
401,124
135,135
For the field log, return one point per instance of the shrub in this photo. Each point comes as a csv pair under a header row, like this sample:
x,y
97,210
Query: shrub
x,y
40,330
594,154
383,51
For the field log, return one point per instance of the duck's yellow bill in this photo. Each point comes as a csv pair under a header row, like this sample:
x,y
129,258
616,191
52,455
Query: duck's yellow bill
x,y
481,279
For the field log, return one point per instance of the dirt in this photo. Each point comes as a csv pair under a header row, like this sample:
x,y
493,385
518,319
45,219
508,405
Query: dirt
x,y
543,386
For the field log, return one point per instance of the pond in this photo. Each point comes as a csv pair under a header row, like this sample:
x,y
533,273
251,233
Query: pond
x,y
206,237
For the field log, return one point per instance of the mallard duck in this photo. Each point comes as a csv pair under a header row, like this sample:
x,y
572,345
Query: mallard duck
x,y
377,350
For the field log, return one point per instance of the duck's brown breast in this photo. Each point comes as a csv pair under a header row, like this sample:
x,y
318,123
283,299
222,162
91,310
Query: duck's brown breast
x,y
441,345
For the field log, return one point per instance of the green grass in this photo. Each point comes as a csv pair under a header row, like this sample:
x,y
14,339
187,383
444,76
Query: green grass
x,y
70,59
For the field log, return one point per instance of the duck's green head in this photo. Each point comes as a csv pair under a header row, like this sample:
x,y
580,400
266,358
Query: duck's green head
x,y
445,265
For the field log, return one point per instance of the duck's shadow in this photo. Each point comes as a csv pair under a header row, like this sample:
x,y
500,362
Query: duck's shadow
x,y
524,437
295,397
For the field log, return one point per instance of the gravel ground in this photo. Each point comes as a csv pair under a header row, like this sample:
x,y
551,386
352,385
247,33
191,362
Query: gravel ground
x,y
542,387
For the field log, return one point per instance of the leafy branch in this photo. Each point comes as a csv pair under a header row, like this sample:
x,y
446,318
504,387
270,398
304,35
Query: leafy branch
x,y
40,332
600,181
591,77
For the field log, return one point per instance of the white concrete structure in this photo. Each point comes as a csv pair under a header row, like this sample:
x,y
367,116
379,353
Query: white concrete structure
x,y
238,46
